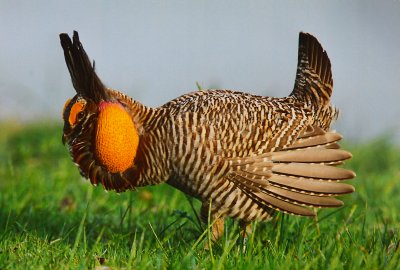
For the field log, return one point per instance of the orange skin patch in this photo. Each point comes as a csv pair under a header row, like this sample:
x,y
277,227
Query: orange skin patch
x,y
116,137
76,108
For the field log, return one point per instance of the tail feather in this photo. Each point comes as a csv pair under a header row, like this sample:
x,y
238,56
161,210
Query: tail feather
x,y
318,155
316,171
293,179
281,205
313,85
314,82
304,199
311,186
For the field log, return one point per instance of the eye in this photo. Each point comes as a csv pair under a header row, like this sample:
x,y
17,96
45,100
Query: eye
x,y
76,113
81,115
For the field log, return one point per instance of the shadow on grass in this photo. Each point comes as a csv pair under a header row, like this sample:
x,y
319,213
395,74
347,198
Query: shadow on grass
x,y
42,195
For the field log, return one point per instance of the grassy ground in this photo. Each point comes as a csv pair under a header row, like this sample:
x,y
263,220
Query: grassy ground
x,y
51,219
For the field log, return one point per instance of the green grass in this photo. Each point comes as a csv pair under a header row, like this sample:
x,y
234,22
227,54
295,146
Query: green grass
x,y
52,219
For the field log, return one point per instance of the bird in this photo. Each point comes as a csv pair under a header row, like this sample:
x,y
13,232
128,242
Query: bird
x,y
244,156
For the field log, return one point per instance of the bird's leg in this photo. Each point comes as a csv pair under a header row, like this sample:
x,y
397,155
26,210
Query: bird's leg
x,y
245,228
245,231
217,227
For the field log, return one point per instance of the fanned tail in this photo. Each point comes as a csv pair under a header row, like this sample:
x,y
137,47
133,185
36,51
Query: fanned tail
x,y
298,177
314,84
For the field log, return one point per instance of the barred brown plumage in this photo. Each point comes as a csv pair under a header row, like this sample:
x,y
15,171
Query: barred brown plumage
x,y
242,155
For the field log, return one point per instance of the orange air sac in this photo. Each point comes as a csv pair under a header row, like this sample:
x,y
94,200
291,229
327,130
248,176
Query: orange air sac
x,y
116,138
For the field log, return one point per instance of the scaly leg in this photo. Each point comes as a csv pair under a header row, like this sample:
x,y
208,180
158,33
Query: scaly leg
x,y
217,229
245,229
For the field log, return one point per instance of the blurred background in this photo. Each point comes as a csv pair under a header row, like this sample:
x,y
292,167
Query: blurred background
x,y
157,50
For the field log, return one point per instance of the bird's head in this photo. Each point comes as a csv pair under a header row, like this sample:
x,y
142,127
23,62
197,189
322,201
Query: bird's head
x,y
98,128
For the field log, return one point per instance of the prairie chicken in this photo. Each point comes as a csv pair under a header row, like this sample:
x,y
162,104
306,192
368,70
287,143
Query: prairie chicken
x,y
243,156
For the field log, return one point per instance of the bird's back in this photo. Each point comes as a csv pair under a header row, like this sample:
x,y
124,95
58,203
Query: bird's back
x,y
244,124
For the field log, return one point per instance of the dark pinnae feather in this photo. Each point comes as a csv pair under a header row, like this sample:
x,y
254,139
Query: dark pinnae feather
x,y
83,76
